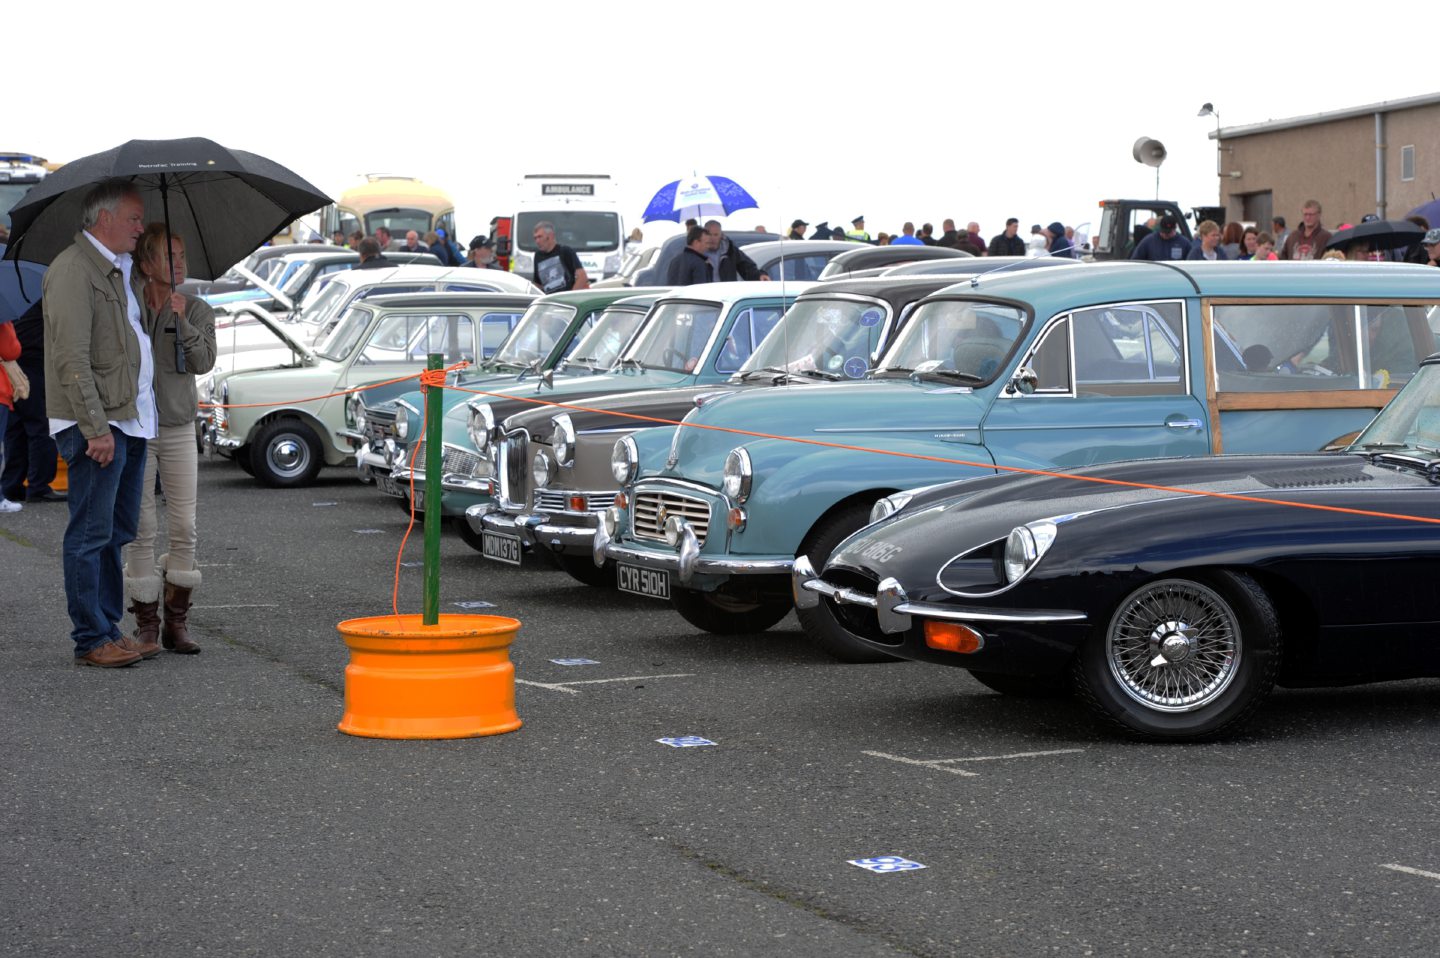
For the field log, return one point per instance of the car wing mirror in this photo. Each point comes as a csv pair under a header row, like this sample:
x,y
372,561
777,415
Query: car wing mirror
x,y
1024,382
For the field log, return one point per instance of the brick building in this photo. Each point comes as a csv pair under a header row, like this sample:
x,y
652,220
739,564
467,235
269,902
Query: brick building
x,y
1382,158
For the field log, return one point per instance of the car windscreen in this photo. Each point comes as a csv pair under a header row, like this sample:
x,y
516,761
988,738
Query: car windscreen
x,y
535,336
584,231
10,194
835,336
965,340
341,341
612,329
398,221
676,336
1410,422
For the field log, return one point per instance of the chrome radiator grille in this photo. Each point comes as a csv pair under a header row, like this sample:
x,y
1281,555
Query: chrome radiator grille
x,y
380,424
653,508
512,467
558,500
453,461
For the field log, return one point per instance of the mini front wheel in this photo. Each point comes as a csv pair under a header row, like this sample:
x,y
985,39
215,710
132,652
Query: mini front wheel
x,y
286,453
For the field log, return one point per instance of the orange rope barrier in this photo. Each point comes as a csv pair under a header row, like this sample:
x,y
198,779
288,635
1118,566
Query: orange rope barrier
x,y
421,376
962,462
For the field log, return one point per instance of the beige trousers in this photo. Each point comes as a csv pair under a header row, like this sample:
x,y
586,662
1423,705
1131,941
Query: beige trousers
x,y
174,458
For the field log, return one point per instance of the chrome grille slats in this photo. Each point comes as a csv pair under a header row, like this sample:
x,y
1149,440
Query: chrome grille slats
x,y
558,500
512,467
653,507
453,461
380,424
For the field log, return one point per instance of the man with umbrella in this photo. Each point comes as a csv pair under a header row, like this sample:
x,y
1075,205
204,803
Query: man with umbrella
x,y
99,371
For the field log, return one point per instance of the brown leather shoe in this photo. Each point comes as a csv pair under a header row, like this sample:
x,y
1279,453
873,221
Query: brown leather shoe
x,y
144,647
111,655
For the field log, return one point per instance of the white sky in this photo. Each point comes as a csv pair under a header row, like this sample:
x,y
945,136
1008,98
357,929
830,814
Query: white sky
x,y
822,110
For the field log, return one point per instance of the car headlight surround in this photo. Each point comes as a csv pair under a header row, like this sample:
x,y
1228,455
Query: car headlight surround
x,y
402,418
624,460
481,425
355,412
564,440
542,469
738,474
1026,546
887,506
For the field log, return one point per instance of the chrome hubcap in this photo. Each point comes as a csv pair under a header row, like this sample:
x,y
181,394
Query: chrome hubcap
x,y
288,455
1174,646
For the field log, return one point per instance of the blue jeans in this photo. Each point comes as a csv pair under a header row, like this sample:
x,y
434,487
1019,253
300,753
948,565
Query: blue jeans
x,y
104,513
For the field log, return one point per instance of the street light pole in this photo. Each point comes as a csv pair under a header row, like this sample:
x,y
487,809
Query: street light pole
x,y
1208,109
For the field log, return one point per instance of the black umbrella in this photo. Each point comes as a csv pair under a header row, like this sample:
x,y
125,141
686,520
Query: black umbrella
x,y
1378,235
223,203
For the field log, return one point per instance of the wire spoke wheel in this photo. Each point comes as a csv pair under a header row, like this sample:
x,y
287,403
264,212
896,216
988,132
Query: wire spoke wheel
x,y
1174,646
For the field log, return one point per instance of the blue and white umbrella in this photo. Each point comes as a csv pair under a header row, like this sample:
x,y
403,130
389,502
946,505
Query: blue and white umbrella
x,y
698,196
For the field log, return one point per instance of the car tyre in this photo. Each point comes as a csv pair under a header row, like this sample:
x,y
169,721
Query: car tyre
x,y
724,614
242,459
286,454
820,623
1024,686
1183,659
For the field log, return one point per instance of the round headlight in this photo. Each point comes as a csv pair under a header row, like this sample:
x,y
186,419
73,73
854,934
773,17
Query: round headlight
x,y
673,525
1026,546
402,423
610,518
564,441
624,460
736,480
540,469
481,424
888,506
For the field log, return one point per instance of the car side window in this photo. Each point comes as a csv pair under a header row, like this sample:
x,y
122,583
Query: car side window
x,y
802,268
586,324
748,331
1051,360
1286,347
1129,350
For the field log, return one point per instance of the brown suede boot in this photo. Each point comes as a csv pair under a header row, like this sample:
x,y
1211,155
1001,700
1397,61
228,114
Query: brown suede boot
x,y
176,633
145,606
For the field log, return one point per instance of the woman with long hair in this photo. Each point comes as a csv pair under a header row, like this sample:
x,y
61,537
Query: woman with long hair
x,y
183,335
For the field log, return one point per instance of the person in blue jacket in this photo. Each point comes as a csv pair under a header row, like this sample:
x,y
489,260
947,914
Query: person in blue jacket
x,y
1166,243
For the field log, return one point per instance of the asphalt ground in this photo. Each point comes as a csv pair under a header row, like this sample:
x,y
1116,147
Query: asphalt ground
x,y
208,805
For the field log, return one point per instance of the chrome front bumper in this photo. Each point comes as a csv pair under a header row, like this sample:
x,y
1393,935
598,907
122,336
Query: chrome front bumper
x,y
687,562
893,608
536,528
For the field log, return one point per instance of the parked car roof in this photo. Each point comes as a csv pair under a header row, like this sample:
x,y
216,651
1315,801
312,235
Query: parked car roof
x,y
442,300
869,257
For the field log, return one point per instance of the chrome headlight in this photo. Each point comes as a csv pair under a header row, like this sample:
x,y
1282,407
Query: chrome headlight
x,y
356,412
624,460
564,440
403,412
481,425
1026,546
736,480
541,469
610,519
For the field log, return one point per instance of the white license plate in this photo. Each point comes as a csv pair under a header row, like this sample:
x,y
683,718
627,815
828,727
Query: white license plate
x,y
419,499
654,583
500,548
389,486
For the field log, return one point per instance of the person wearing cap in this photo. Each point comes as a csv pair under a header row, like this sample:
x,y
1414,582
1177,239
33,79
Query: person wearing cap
x,y
1166,243
1009,242
797,230
822,231
1431,243
856,231
482,254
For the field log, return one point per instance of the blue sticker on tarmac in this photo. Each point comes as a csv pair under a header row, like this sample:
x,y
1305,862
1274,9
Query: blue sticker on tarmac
x,y
685,741
855,367
325,503
575,661
473,604
885,863
368,532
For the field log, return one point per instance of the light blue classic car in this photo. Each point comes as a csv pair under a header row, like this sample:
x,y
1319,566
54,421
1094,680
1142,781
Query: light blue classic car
x,y
701,334
1040,369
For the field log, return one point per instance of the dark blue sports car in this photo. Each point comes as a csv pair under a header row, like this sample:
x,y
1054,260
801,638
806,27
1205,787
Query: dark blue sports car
x,y
1172,594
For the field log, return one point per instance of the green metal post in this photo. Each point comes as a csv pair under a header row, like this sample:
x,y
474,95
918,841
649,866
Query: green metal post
x,y
434,457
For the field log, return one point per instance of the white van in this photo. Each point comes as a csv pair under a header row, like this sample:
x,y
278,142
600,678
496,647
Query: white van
x,y
585,216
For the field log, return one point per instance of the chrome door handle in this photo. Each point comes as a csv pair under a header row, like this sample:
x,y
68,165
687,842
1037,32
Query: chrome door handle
x,y
1183,424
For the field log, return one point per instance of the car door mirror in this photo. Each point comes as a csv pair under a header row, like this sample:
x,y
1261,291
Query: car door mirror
x,y
1024,382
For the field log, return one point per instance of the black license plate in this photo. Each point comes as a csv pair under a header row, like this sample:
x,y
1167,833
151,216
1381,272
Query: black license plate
x,y
500,548
389,486
653,583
